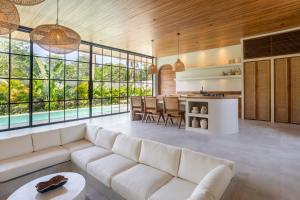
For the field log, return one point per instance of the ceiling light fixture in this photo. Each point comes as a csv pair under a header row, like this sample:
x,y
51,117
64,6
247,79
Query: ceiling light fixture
x,y
9,17
56,38
27,2
179,65
152,68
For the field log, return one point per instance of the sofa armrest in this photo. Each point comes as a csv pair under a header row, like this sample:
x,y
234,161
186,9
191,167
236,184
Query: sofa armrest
x,y
213,185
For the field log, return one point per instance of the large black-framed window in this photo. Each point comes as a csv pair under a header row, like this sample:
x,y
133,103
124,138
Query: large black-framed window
x,y
38,87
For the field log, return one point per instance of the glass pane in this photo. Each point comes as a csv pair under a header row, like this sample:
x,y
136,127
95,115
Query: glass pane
x,y
83,71
107,57
106,89
19,115
106,106
83,90
138,75
57,111
116,61
56,90
72,56
115,90
4,43
71,90
83,109
144,74
123,89
3,117
115,105
40,113
4,91
123,104
84,53
106,73
57,69
57,56
97,55
138,89
40,90
4,65
131,75
115,74
71,70
97,90
97,70
123,74
20,66
19,91
97,107
70,110
131,64
20,43
38,51
148,91
40,68
131,89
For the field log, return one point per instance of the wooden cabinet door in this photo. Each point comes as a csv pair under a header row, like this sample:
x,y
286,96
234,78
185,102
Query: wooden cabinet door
x,y
263,90
295,89
249,90
281,87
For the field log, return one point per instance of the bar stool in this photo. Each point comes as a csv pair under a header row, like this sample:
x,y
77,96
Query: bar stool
x,y
151,109
137,108
172,110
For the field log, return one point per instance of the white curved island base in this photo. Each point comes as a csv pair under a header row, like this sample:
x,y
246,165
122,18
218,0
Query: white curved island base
x,y
221,116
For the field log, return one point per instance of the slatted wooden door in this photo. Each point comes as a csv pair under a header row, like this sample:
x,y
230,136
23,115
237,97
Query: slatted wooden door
x,y
282,88
249,90
295,89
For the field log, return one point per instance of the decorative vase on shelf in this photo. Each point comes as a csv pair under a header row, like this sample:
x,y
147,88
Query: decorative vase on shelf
x,y
203,110
195,110
203,123
195,123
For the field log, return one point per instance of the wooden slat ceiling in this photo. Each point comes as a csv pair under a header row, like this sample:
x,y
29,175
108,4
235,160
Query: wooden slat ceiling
x,y
131,24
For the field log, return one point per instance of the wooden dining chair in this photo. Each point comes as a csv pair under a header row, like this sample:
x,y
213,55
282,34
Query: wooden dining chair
x,y
137,107
172,110
152,110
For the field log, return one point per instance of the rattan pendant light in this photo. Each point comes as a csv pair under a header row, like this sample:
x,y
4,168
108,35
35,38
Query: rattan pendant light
x,y
9,17
152,68
56,38
27,2
179,65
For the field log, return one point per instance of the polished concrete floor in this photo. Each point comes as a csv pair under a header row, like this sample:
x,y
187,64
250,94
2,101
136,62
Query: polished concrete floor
x,y
267,155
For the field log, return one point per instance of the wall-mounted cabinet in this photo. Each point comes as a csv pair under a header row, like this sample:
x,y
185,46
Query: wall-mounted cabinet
x,y
257,90
287,90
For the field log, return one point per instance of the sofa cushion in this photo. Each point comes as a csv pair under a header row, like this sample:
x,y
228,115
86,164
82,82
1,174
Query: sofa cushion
x,y
106,138
82,157
176,189
8,146
105,168
18,166
46,139
91,133
139,182
160,156
194,165
214,183
78,145
127,146
72,133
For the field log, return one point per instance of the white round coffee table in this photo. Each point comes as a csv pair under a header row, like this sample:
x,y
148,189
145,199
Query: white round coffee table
x,y
73,189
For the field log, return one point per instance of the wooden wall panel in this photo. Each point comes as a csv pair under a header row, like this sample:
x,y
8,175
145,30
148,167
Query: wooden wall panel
x,y
263,90
295,89
166,80
281,86
249,90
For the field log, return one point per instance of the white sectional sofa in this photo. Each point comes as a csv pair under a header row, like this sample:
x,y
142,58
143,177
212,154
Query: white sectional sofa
x,y
136,169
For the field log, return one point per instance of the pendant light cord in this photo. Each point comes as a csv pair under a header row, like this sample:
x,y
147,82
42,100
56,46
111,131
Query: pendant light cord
x,y
178,34
57,10
152,47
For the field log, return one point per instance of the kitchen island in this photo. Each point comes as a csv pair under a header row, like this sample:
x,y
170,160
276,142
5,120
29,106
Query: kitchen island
x,y
212,115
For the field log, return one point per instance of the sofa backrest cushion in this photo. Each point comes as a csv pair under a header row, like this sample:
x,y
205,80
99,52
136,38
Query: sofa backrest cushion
x,y
72,133
16,146
127,146
91,133
194,165
160,156
46,139
106,138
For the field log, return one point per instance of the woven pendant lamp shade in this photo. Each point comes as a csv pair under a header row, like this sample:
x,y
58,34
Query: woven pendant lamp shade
x,y
9,17
152,68
27,2
179,66
56,38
